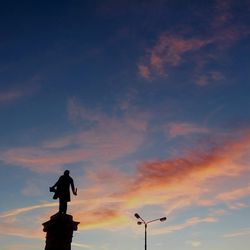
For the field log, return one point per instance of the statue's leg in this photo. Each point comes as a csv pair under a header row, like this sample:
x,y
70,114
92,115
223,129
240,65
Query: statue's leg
x,y
60,206
63,206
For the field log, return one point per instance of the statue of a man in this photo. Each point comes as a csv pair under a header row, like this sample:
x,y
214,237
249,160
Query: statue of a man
x,y
62,191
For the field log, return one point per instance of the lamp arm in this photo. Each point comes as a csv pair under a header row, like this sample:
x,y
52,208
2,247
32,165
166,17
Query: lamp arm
x,y
152,221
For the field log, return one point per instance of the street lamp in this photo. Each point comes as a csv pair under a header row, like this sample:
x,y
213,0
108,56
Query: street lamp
x,y
137,216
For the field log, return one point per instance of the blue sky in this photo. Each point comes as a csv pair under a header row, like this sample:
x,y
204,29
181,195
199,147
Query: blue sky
x,y
145,102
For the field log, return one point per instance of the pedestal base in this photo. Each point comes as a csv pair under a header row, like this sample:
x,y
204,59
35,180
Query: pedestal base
x,y
59,231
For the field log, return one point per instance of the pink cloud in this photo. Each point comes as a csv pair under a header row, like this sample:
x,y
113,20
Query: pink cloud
x,y
20,246
169,183
223,13
144,71
11,95
104,142
18,92
174,49
111,195
169,50
14,228
79,112
172,181
180,129
234,194
42,160
98,145
237,205
210,76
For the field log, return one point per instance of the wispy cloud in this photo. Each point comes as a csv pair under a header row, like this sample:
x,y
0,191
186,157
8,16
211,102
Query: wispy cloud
x,y
188,223
239,233
10,95
105,140
112,195
223,12
21,246
12,226
111,192
234,194
17,211
16,93
237,205
81,245
194,243
175,129
144,71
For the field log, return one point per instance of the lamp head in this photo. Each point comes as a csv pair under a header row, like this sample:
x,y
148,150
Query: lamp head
x,y
163,219
137,216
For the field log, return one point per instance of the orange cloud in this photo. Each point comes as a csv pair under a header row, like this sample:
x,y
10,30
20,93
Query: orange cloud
x,y
12,226
105,218
111,194
172,181
168,184
21,246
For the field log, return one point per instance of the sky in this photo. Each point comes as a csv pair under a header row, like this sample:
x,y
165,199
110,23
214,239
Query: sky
x,y
145,102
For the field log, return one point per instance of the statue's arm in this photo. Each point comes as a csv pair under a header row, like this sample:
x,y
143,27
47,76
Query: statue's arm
x,y
52,189
74,190
56,184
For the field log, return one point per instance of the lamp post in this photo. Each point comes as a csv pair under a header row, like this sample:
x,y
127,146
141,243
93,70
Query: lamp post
x,y
137,216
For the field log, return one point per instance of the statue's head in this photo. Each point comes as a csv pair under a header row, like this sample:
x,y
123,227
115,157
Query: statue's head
x,y
66,172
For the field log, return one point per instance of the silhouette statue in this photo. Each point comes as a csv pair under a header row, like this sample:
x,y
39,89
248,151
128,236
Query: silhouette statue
x,y
61,226
62,191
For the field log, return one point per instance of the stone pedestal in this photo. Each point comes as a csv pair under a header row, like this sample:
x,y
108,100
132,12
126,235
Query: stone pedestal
x,y
59,231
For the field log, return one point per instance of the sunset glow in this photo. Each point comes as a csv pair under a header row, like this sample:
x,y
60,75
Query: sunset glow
x,y
146,103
